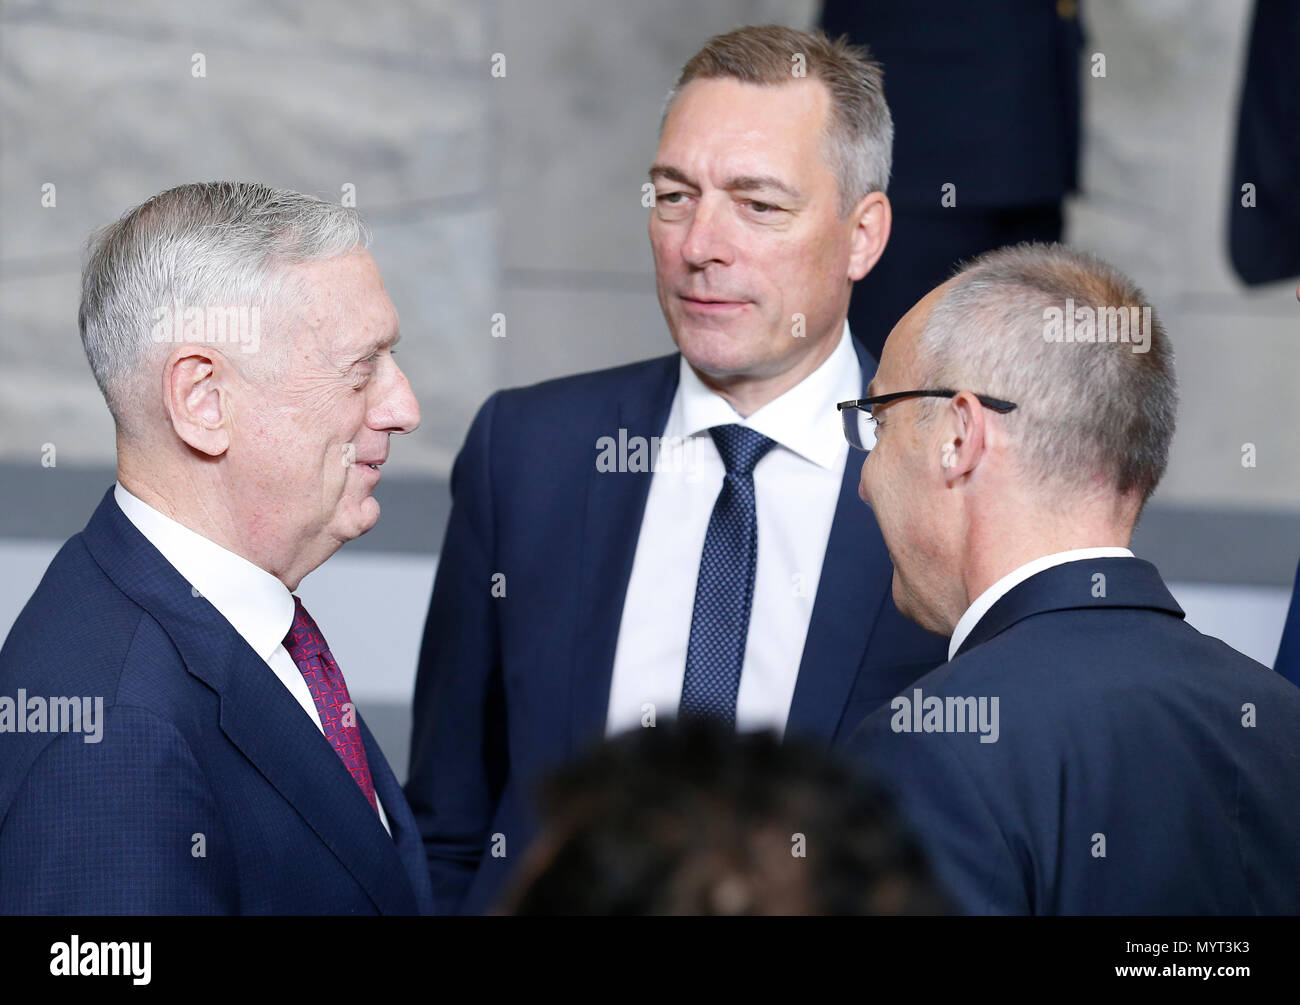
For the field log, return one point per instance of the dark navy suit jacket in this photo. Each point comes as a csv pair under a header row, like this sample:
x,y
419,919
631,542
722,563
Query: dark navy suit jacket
x,y
1122,730
199,738
1288,650
512,686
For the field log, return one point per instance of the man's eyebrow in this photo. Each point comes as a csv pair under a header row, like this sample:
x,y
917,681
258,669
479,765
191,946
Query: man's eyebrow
x,y
754,183
385,342
740,183
670,173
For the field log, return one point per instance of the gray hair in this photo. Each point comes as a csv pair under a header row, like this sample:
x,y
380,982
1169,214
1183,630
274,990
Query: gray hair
x,y
216,244
860,135
1094,407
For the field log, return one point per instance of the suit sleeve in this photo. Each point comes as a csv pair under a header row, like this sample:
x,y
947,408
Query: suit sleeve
x,y
1288,650
458,751
114,827
942,803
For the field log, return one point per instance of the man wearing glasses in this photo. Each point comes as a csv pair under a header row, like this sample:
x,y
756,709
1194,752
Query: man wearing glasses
x,y
581,593
1084,750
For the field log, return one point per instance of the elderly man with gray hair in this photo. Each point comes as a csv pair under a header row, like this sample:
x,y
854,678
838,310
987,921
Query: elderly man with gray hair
x,y
1084,750
243,339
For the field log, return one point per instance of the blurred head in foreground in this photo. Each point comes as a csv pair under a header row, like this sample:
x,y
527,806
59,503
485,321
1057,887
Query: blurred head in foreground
x,y
692,819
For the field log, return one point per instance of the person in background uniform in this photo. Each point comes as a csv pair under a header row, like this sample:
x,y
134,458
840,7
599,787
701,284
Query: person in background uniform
x,y
986,110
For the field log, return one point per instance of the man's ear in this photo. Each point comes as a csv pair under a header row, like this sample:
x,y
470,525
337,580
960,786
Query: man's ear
x,y
961,446
195,396
872,218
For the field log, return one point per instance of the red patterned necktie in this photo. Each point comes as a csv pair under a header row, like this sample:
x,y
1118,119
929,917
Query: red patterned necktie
x,y
310,651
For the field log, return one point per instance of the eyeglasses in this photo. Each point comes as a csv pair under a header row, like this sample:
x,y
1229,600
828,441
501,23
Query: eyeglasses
x,y
860,425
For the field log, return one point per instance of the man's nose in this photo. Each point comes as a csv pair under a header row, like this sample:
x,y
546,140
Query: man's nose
x,y
397,411
708,239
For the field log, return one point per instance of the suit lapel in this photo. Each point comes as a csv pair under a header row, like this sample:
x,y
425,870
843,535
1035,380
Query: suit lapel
x,y
615,504
850,594
268,726
258,714
406,836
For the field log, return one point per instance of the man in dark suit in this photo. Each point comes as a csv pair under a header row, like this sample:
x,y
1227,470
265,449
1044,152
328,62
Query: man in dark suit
x,y
1084,750
674,537
206,756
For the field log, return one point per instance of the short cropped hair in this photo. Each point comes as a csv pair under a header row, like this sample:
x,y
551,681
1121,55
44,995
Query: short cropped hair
x,y
1079,348
860,135
213,243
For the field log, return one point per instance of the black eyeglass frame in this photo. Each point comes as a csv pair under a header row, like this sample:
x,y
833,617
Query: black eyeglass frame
x,y
866,404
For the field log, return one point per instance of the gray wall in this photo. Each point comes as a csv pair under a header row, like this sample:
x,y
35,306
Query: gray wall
x,y
100,100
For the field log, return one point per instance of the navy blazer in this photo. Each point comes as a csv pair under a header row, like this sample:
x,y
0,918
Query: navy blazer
x,y
512,686
210,792
1288,650
1140,766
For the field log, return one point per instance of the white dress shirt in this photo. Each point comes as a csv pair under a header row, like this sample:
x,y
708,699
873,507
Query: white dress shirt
x,y
1014,578
796,487
257,605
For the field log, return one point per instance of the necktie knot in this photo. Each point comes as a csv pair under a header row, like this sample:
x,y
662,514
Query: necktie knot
x,y
740,447
304,639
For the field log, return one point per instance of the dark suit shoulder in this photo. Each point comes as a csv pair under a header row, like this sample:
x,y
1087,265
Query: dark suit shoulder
x,y
1103,730
1117,647
596,388
80,634
74,631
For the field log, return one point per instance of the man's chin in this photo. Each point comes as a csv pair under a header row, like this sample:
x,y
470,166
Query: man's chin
x,y
910,607
723,355
905,601
361,518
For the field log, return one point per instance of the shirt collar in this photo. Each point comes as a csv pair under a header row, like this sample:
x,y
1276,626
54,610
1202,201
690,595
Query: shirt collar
x,y
257,605
985,601
803,419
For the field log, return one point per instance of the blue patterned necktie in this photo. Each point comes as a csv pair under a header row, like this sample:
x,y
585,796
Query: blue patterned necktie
x,y
724,592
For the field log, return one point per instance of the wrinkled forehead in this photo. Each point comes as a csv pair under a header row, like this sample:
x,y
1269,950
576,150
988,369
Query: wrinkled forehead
x,y
725,115
343,301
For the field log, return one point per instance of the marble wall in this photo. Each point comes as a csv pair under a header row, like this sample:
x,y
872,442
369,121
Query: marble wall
x,y
1159,137
102,101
